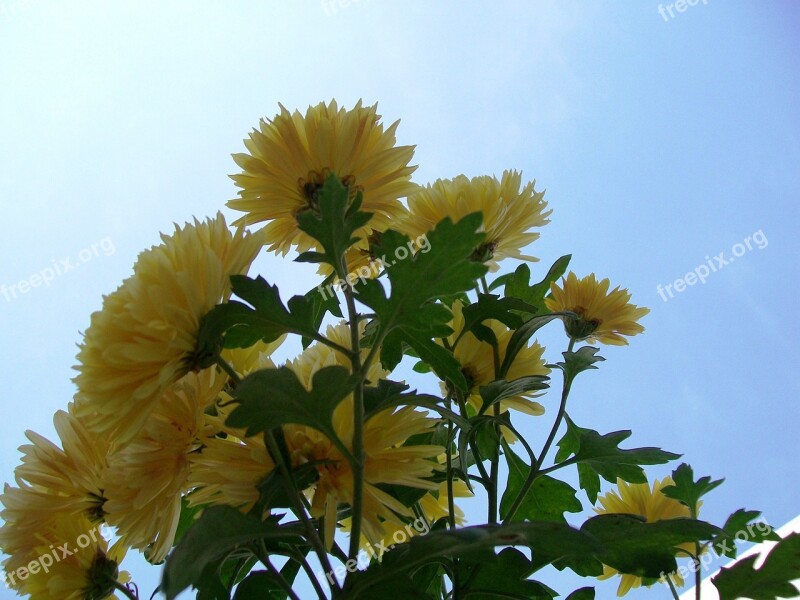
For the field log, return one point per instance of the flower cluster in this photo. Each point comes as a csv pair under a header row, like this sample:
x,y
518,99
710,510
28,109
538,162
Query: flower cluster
x,y
148,435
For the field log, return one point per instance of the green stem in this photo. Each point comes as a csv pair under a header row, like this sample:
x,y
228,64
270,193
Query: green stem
x,y
297,505
484,285
124,589
672,588
229,370
358,424
536,468
263,556
298,556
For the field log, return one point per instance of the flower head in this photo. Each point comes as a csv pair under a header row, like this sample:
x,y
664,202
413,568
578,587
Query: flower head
x,y
144,338
649,503
290,156
477,363
509,213
148,476
603,316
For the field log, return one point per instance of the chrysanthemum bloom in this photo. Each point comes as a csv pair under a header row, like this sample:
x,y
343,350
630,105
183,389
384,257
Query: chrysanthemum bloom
x,y
290,156
387,460
477,363
51,481
509,212
148,476
651,504
434,506
603,316
144,338
88,569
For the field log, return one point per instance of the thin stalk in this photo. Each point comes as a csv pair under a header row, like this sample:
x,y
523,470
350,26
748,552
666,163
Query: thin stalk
x,y
263,556
124,589
358,424
535,468
312,577
297,505
672,588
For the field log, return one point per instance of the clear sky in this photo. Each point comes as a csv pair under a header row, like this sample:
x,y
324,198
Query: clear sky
x,y
661,140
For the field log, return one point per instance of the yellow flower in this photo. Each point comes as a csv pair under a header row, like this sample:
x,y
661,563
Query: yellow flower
x,y
387,461
604,316
51,481
144,338
651,504
71,561
148,476
477,363
290,156
509,212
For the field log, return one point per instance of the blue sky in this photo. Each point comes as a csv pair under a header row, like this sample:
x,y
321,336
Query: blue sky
x,y
660,141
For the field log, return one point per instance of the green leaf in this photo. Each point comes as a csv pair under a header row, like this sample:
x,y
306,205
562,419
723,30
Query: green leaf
x,y
270,398
600,456
579,361
773,580
390,394
519,339
441,360
506,577
220,530
334,224
474,543
411,312
517,285
260,585
632,545
584,593
546,500
493,307
686,490
501,389
237,325
741,526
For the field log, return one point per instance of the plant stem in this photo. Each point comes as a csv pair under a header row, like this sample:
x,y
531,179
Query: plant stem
x,y
297,505
536,468
672,588
229,370
124,589
281,580
358,423
298,556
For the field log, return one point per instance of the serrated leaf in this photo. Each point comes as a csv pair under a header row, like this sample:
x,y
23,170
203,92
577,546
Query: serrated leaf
x,y
519,339
740,527
388,394
632,545
600,456
546,500
686,490
506,576
216,533
270,398
770,582
499,390
517,285
411,311
579,361
334,224
475,543
490,306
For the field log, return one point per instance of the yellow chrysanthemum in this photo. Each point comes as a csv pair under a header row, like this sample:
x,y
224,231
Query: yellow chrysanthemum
x,y
71,561
649,503
290,156
509,212
148,476
604,316
387,461
144,338
51,481
477,363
